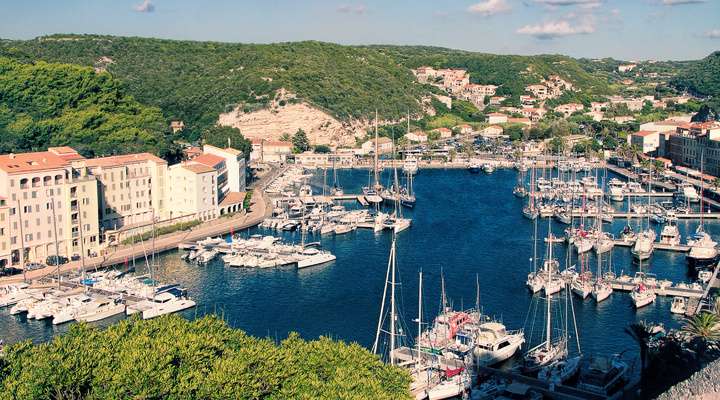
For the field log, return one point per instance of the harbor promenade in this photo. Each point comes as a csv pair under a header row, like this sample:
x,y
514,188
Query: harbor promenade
x,y
259,210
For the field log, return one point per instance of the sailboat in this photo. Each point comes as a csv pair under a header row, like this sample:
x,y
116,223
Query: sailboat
x,y
429,379
530,211
581,284
601,289
645,242
552,281
337,190
641,295
703,249
519,190
550,357
372,192
535,279
395,221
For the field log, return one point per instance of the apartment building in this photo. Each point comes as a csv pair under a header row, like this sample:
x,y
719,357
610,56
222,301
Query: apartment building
x,y
694,141
131,190
49,206
235,164
194,192
271,151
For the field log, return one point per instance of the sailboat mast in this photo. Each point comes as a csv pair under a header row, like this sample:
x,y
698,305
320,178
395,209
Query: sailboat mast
x,y
548,294
442,291
375,168
392,304
477,293
419,313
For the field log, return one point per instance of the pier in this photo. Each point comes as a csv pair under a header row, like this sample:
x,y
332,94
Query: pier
x,y
559,392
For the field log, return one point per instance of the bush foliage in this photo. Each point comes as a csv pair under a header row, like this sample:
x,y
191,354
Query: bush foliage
x,y
172,358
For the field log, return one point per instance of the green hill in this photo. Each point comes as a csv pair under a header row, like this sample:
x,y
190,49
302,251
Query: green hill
x,y
48,104
195,81
702,78
511,72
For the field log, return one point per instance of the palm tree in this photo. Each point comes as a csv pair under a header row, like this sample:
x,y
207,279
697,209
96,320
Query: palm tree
x,y
702,329
640,332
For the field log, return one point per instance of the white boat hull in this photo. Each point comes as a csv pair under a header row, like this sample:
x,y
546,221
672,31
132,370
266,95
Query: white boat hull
x,y
103,313
168,308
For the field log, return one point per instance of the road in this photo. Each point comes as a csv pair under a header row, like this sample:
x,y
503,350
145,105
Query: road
x,y
259,210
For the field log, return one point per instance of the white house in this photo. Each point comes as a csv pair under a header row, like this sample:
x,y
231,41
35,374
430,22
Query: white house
x,y
417,137
385,145
492,131
497,118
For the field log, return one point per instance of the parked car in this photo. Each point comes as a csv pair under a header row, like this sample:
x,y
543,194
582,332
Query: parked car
x,y
34,265
56,260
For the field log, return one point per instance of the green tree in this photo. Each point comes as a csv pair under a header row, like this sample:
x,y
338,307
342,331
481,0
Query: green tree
x,y
226,136
300,142
515,132
321,148
557,145
703,329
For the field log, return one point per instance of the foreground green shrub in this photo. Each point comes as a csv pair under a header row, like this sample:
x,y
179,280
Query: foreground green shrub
x,y
172,358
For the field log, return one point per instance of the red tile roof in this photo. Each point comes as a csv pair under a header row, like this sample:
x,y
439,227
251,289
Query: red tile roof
x,y
645,133
233,198
211,160
31,162
116,161
198,168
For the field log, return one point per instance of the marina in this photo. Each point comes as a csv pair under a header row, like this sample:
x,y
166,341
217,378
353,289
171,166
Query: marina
x,y
344,294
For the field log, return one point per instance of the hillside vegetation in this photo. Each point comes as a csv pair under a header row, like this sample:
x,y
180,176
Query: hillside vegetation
x,y
701,78
196,81
512,73
48,104
172,358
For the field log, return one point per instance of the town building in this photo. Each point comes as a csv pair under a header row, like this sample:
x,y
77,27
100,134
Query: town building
x,y
497,118
340,159
270,151
695,141
384,144
568,109
492,131
234,163
626,67
463,129
194,192
646,141
417,137
131,190
522,121
48,206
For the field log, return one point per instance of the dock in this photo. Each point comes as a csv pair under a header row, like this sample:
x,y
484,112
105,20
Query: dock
x,y
662,290
559,392
657,246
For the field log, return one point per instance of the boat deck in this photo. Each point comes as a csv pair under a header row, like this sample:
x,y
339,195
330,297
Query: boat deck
x,y
672,291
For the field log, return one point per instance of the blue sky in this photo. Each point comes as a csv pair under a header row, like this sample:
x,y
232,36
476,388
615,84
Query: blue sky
x,y
626,29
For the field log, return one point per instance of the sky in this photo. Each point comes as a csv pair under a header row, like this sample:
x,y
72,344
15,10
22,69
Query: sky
x,y
623,29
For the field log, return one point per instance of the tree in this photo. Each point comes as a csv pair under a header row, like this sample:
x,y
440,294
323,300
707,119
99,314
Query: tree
x,y
285,137
515,132
703,329
321,148
557,145
226,136
300,142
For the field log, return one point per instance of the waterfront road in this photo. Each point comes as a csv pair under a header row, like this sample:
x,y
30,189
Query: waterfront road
x,y
259,210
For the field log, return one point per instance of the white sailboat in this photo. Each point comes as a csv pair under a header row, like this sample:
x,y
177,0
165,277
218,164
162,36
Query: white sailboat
x,y
530,211
601,289
641,295
100,308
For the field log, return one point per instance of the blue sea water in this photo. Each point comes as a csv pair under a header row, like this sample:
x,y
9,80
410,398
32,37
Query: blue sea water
x,y
463,225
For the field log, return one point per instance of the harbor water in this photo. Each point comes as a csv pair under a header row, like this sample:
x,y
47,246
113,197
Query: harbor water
x,y
463,225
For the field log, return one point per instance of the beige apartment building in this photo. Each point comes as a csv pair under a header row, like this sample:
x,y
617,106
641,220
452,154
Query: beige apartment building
x,y
194,194
50,206
131,191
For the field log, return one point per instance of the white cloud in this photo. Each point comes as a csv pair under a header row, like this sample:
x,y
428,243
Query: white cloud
x,y
359,9
712,34
679,2
558,28
487,8
584,3
146,7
